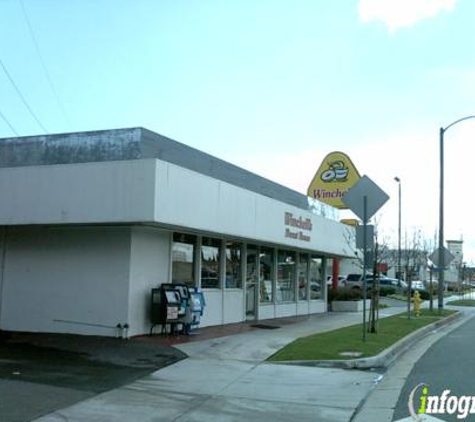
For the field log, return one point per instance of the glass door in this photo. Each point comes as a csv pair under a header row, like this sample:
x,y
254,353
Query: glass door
x,y
252,271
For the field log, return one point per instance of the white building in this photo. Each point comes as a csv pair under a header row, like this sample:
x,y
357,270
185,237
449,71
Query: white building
x,y
91,222
454,270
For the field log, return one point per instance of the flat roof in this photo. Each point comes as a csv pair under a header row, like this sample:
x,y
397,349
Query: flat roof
x,y
133,144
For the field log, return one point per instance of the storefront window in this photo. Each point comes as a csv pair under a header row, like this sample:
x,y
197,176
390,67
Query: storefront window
x,y
285,276
316,277
251,276
183,269
210,263
251,280
266,274
302,276
233,265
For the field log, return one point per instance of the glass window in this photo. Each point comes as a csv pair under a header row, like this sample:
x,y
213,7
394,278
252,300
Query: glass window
x,y
302,276
251,281
285,276
316,277
210,263
251,268
183,268
233,265
266,272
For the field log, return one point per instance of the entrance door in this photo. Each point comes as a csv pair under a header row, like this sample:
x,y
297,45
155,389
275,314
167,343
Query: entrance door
x,y
252,271
251,301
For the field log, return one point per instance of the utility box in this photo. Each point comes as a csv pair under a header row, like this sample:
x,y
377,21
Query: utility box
x,y
177,304
166,305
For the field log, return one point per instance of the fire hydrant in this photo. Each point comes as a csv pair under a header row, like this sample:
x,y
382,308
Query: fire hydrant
x,y
417,304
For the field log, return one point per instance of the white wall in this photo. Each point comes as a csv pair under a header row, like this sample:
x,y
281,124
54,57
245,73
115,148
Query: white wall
x,y
65,279
213,312
318,306
234,309
303,308
151,190
189,199
350,266
149,267
118,191
69,273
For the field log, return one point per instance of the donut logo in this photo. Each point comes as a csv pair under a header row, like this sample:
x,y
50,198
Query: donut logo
x,y
337,172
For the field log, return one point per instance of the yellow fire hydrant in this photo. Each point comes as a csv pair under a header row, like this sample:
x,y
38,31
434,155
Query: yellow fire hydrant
x,y
417,303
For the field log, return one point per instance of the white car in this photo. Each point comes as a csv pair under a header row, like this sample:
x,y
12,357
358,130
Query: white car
x,y
341,280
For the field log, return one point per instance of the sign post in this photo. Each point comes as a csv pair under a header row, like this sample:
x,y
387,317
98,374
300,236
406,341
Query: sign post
x,y
365,198
441,258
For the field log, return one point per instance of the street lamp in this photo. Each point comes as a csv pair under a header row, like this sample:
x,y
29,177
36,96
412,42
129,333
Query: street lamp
x,y
440,288
398,180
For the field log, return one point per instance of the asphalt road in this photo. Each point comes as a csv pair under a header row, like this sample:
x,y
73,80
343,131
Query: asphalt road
x,y
448,364
40,373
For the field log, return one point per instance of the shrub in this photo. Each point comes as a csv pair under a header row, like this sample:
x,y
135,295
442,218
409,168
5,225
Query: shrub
x,y
424,295
345,293
386,290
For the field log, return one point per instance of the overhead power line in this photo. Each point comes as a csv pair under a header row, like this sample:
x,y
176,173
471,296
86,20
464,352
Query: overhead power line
x,y
22,97
8,123
43,64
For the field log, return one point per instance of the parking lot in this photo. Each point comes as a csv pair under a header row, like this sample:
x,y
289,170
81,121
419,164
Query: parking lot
x,y
40,373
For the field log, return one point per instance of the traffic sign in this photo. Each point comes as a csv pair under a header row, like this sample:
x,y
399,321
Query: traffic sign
x,y
359,232
441,257
375,198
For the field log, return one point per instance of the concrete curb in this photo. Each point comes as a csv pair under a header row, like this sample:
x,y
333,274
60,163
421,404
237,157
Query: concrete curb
x,y
383,359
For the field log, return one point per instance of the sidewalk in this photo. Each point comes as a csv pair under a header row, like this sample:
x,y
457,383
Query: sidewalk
x,y
380,403
227,379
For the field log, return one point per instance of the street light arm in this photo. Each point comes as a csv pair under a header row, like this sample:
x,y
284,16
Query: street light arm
x,y
457,121
441,209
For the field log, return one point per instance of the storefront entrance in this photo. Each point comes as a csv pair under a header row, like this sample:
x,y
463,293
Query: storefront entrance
x,y
252,283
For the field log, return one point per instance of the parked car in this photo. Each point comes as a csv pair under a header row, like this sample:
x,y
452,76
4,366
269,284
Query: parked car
x,y
341,280
354,280
402,285
315,289
389,282
418,285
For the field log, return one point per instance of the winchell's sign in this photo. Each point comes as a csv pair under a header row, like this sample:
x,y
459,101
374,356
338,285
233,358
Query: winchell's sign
x,y
335,176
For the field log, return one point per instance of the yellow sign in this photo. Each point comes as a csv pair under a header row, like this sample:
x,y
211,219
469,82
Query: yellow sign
x,y
334,177
350,221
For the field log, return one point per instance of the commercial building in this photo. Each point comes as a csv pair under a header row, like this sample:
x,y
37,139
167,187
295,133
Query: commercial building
x,y
91,222
454,272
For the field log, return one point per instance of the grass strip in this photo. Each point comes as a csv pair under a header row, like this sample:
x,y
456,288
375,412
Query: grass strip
x,y
462,302
331,344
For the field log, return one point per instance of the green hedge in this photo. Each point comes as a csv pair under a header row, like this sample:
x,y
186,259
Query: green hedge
x,y
345,293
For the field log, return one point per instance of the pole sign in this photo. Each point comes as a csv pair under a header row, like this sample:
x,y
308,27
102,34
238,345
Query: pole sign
x,y
359,232
365,191
335,176
441,258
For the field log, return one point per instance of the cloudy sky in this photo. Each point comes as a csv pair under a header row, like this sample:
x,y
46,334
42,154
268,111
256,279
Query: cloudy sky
x,y
269,85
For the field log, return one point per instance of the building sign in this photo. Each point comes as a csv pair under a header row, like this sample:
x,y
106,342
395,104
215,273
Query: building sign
x,y
350,222
335,176
297,228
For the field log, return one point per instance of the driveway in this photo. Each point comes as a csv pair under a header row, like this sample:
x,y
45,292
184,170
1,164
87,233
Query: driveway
x,y
40,373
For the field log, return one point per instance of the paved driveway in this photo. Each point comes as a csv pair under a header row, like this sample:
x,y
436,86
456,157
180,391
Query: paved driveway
x,y
227,379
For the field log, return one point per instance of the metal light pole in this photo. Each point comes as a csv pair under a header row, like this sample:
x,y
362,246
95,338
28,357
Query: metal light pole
x,y
365,262
398,180
440,288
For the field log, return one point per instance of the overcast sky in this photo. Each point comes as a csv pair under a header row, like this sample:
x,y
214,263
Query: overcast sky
x,y
269,85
